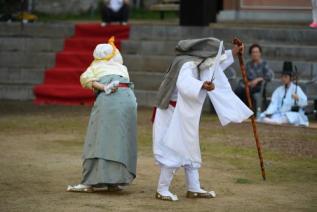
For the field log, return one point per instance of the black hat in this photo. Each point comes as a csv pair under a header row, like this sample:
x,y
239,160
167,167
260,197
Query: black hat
x,y
287,68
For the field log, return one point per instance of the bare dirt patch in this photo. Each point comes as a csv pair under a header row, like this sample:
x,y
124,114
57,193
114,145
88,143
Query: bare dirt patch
x,y
41,154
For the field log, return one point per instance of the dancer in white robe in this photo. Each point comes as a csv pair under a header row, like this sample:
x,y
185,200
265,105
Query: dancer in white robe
x,y
281,109
176,128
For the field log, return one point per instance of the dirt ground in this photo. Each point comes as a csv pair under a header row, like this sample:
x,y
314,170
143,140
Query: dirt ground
x,y
41,154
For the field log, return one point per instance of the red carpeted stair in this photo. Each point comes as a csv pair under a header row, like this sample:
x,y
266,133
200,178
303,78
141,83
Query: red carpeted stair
x,y
61,84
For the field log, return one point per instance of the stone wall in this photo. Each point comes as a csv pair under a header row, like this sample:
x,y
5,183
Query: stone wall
x,y
148,3
63,7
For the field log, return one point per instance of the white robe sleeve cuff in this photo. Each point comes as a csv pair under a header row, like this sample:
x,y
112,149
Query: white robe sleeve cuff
x,y
229,60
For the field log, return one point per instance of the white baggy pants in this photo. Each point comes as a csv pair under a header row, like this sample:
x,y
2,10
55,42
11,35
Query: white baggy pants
x,y
166,177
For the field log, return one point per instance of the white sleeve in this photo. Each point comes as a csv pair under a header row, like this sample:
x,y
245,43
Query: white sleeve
x,y
272,108
87,78
187,85
302,102
228,61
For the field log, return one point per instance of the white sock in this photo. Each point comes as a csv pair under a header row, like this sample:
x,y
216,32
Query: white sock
x,y
192,180
166,177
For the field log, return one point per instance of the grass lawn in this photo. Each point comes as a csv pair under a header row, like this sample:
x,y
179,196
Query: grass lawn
x,y
41,154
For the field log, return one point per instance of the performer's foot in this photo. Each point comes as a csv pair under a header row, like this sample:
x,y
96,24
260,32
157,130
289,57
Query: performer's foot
x,y
313,25
201,194
114,188
167,196
79,188
100,188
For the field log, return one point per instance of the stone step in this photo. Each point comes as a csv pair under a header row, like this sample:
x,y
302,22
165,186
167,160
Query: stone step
x,y
145,98
260,35
16,92
306,70
141,80
309,88
160,63
52,30
147,63
148,99
148,47
31,44
276,51
21,75
151,81
27,59
247,34
146,81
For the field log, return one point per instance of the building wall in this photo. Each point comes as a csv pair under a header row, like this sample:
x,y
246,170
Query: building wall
x,y
266,10
63,7
275,4
267,5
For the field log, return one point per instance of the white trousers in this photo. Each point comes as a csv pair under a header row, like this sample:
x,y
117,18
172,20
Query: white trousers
x,y
280,120
192,179
167,174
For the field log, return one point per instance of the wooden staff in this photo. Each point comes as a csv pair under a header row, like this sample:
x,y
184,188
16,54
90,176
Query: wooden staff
x,y
239,43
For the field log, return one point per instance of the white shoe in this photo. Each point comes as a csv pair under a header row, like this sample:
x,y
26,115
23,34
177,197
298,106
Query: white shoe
x,y
103,24
212,193
79,188
166,195
124,23
201,194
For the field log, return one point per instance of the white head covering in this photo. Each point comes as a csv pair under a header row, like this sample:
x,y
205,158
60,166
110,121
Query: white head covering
x,y
103,51
107,61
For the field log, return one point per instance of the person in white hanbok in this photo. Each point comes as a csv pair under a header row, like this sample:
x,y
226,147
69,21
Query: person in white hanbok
x,y
287,103
314,13
191,78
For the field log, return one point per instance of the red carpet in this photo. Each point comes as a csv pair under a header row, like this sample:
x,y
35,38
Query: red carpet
x,y
61,83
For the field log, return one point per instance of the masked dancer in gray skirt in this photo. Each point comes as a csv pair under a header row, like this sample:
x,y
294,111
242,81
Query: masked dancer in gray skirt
x,y
110,149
